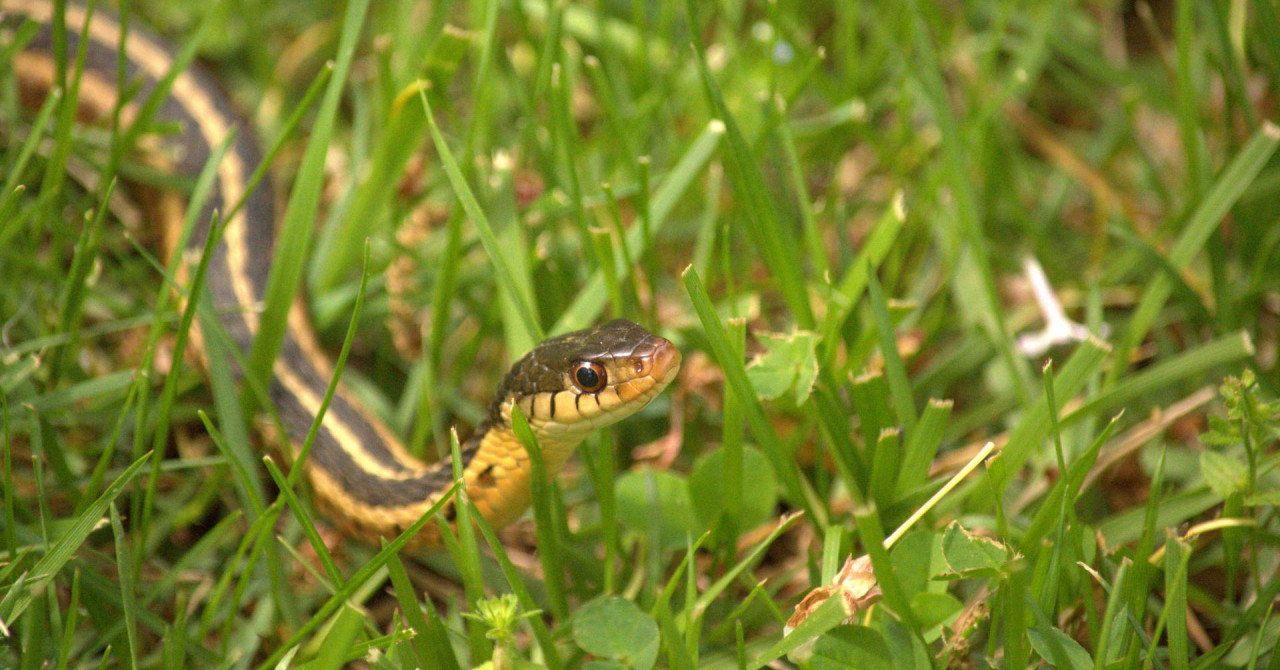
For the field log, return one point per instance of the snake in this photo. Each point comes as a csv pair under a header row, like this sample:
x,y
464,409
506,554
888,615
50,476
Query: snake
x,y
361,476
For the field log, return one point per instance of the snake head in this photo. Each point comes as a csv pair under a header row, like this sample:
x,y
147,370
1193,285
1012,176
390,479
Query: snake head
x,y
580,381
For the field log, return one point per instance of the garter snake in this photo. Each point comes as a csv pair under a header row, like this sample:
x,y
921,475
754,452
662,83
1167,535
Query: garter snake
x,y
360,474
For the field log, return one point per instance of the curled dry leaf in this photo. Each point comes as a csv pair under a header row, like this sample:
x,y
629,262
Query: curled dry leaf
x,y
855,584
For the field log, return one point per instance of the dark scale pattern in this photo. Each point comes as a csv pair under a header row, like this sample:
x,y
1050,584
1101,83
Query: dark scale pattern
x,y
547,365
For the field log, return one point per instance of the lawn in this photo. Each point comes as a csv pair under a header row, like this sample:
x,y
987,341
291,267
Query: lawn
x,y
854,219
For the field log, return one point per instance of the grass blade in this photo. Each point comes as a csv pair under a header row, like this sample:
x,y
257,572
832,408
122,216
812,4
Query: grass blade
x,y
922,446
294,238
357,581
430,640
549,544
586,307
518,297
1031,432
52,563
1206,218
796,489
1200,360
776,246
895,371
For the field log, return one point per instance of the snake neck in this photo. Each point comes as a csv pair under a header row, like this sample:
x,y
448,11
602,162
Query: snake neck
x,y
497,474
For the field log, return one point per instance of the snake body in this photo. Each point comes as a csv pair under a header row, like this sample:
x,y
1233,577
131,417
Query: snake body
x,y
361,475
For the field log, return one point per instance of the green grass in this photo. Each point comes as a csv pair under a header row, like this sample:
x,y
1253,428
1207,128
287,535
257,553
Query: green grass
x,y
825,205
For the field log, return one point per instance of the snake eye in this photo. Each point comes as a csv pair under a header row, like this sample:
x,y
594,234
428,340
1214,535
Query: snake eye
x,y
589,377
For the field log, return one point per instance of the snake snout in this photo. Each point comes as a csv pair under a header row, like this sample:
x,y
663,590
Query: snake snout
x,y
665,361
